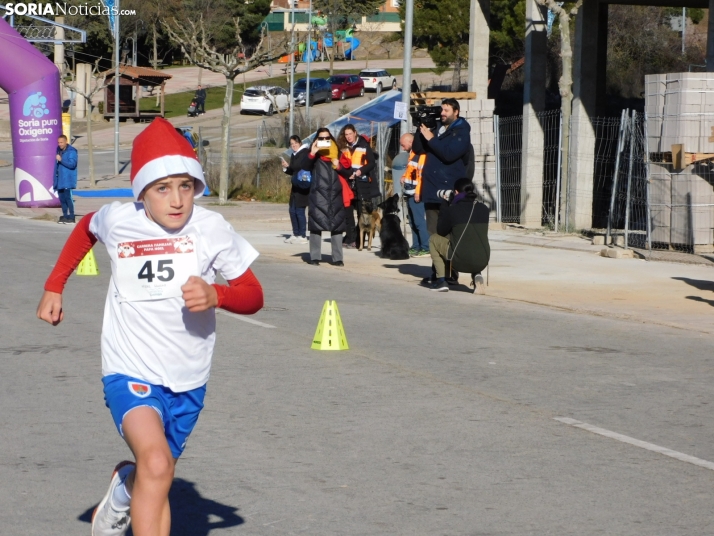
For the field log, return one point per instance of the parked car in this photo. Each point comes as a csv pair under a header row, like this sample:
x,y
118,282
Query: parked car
x,y
320,90
346,85
377,79
265,99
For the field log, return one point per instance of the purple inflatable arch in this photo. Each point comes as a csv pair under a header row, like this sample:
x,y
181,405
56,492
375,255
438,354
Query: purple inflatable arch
x,y
32,83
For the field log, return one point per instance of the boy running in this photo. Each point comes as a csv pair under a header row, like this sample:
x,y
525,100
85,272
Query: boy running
x,y
159,318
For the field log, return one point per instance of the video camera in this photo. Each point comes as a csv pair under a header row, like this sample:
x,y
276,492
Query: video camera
x,y
426,115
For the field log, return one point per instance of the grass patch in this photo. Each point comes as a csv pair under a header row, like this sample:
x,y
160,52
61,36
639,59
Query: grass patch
x,y
176,104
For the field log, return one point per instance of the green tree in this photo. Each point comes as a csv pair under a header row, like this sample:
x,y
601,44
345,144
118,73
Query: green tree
x,y
696,14
508,28
442,26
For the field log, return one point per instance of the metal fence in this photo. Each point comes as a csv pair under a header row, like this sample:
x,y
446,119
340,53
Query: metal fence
x,y
547,156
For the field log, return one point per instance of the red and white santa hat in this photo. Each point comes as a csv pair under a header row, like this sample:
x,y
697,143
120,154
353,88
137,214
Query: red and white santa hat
x,y
158,152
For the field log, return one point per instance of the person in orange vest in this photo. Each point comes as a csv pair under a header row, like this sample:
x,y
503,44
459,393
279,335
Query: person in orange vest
x,y
411,185
357,166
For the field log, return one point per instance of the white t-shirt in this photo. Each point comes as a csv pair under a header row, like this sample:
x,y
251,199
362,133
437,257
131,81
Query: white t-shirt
x,y
148,333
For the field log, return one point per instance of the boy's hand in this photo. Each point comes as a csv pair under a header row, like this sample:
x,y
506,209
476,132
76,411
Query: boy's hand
x,y
199,295
50,308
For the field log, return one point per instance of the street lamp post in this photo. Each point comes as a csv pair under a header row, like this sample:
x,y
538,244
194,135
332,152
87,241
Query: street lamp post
x,y
309,54
116,89
407,70
292,70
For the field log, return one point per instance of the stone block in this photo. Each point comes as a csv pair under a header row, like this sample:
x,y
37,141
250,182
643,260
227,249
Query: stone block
x,y
613,253
692,212
598,240
660,202
488,105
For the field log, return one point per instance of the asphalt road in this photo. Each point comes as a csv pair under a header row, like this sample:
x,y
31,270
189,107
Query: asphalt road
x,y
439,420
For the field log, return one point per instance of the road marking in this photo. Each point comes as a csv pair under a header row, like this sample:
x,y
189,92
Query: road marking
x,y
637,443
245,319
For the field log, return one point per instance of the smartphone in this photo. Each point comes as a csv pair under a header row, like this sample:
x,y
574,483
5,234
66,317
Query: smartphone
x,y
325,144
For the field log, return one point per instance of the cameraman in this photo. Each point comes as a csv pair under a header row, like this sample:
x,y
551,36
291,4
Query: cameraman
x,y
461,240
449,156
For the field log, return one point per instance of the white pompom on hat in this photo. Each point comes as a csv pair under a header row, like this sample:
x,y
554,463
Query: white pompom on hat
x,y
159,152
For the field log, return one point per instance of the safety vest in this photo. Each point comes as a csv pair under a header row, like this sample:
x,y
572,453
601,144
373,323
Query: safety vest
x,y
412,175
357,155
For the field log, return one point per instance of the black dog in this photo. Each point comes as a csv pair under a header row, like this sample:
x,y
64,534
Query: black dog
x,y
394,245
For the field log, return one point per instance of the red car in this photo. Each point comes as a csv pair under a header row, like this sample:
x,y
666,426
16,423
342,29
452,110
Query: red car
x,y
346,85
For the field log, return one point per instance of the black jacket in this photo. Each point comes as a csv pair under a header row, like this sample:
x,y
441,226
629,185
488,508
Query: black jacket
x,y
298,196
326,210
200,95
465,223
446,159
366,186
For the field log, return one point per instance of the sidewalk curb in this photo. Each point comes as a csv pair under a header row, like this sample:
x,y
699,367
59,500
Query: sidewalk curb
x,y
551,244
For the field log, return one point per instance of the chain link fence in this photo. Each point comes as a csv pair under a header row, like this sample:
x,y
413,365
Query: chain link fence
x,y
547,157
646,191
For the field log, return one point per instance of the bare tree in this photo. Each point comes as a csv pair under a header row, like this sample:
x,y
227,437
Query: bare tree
x,y
565,84
192,37
371,28
98,84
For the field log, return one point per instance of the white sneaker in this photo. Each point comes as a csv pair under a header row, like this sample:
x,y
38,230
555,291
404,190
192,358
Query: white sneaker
x,y
478,284
300,240
106,521
289,240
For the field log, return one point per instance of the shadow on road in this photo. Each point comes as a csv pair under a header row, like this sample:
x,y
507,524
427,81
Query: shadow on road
x,y
411,269
700,299
192,514
698,284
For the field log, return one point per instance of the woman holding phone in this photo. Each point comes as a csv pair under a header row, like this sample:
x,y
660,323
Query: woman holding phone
x,y
325,201
299,191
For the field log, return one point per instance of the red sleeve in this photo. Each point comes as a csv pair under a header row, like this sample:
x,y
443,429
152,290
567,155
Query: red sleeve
x,y
243,295
77,246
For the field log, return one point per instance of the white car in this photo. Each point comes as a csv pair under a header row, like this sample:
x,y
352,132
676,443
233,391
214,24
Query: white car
x,y
378,79
265,99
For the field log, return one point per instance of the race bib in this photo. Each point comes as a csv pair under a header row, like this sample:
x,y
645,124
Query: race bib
x,y
155,269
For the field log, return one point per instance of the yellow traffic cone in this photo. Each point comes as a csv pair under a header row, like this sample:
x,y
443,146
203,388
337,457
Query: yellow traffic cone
x,y
330,334
88,265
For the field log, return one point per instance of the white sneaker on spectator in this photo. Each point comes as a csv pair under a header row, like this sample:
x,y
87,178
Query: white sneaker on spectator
x,y
290,239
300,240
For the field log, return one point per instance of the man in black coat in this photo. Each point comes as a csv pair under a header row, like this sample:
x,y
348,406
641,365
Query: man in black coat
x,y
461,238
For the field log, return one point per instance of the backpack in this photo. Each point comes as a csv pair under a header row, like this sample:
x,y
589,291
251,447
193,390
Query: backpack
x,y
302,179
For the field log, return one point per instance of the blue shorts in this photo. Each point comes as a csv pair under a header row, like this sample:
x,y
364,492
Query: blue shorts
x,y
178,411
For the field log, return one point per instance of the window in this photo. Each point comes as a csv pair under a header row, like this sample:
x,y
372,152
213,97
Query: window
x,y
395,3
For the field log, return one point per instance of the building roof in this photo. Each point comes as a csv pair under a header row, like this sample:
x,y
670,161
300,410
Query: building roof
x,y
138,73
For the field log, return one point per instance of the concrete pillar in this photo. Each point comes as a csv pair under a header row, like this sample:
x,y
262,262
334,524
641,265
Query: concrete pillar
x,y
710,38
588,60
59,47
478,47
59,52
83,82
533,102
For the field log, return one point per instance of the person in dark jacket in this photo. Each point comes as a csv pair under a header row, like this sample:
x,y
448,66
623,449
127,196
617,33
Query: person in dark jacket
x,y
65,178
200,100
448,151
299,191
325,202
357,166
461,238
